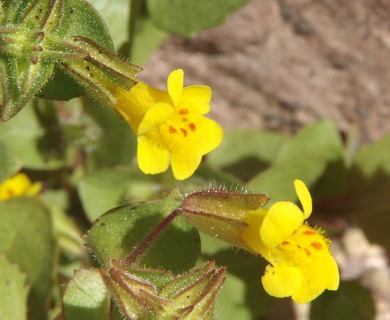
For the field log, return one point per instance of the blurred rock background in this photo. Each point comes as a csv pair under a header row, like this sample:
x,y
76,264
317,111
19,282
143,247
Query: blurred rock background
x,y
281,64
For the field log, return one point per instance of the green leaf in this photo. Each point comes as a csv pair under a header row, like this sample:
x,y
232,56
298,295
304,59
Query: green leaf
x,y
86,297
314,155
87,22
186,18
246,159
146,40
61,86
366,200
115,14
35,144
277,181
84,21
8,163
320,139
108,149
103,190
351,301
242,296
13,291
110,187
26,239
117,233
371,160
67,234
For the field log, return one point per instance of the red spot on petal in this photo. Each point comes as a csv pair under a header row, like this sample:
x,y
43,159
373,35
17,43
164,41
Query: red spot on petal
x,y
309,232
184,132
172,130
308,253
316,245
183,111
10,192
184,119
285,243
192,126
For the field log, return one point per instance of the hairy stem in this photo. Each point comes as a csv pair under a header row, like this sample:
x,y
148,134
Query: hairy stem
x,y
145,244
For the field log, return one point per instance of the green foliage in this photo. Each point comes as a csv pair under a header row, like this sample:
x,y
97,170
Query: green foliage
x,y
39,37
158,294
116,14
246,159
242,296
118,232
351,301
107,148
314,152
8,163
142,252
86,297
103,190
33,142
26,239
194,15
13,291
366,198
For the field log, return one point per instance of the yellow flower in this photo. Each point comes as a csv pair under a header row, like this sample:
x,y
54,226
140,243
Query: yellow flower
x,y
301,265
170,126
17,186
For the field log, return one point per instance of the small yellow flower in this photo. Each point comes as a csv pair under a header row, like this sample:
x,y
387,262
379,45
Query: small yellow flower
x,y
170,126
17,186
301,265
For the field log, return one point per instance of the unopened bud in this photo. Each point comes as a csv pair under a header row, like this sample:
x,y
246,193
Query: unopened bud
x,y
158,294
221,213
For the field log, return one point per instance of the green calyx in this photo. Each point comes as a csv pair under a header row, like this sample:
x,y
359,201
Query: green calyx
x,y
38,52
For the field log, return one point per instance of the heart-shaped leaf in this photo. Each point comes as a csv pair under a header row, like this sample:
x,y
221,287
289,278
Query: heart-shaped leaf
x,y
26,239
117,233
13,291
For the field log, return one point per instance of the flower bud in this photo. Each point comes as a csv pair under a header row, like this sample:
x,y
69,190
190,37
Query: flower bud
x,y
158,294
221,213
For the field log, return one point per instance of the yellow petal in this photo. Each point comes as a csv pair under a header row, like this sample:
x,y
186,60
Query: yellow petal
x,y
282,220
198,98
34,189
187,150
321,274
332,278
304,197
281,280
132,105
211,135
155,116
18,185
175,85
152,157
184,163
251,235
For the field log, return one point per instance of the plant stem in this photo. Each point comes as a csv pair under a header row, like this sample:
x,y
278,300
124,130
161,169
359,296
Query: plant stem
x,y
145,244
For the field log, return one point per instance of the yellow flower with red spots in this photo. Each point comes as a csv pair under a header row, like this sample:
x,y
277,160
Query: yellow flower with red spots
x,y
170,125
301,265
17,186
